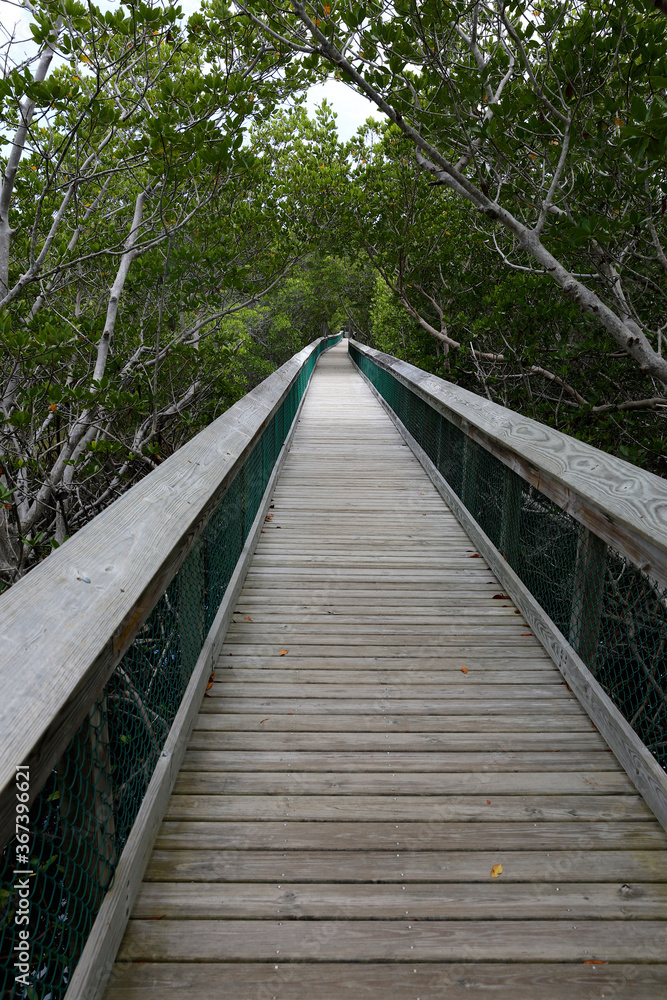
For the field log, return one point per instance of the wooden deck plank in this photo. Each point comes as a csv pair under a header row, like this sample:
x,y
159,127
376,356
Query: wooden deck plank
x,y
457,900
382,722
467,646
361,780
471,704
369,782
442,763
345,981
438,660
513,739
554,690
435,808
401,867
394,941
413,835
442,679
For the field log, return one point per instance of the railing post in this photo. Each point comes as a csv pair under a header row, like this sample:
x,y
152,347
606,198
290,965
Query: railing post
x,y
103,791
587,595
86,805
438,448
242,484
510,516
469,484
191,609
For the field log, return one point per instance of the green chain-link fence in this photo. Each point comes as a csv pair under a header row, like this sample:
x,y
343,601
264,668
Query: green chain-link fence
x,y
80,821
611,612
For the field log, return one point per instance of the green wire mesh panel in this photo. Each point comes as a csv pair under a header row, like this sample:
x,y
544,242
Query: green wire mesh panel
x,y
80,821
609,610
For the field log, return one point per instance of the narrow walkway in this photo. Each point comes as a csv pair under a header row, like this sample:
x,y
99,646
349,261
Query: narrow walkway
x,y
382,735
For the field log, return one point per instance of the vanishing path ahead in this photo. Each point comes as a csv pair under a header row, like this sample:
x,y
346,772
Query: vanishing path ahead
x,y
383,731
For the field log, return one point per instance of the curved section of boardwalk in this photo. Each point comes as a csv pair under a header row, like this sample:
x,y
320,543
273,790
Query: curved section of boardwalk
x,y
383,732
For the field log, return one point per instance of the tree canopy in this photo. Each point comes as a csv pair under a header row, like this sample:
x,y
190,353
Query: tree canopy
x,y
173,224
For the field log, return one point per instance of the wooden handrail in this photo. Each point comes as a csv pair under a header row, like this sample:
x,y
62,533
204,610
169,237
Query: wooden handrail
x,y
620,503
65,626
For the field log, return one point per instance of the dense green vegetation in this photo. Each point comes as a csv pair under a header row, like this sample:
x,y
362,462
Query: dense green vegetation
x,y
173,226
522,343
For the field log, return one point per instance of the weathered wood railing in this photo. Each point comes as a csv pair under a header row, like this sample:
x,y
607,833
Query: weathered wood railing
x,y
576,536
105,651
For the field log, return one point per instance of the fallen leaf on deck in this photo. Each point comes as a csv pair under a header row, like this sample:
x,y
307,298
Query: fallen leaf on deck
x,y
500,597
247,618
526,633
283,652
210,682
595,961
476,556
488,802
496,871
464,670
264,720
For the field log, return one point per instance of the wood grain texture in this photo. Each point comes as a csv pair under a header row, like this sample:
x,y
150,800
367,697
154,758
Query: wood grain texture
x,y
394,941
404,808
339,783
453,900
413,835
624,505
389,981
387,723
363,780
321,760
401,867
61,636
509,737
470,703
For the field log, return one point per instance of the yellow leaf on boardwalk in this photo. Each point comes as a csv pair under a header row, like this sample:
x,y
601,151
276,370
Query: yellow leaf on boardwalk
x,y
496,871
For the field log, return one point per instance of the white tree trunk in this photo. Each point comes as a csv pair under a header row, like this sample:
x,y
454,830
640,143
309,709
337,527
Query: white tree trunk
x,y
27,109
117,288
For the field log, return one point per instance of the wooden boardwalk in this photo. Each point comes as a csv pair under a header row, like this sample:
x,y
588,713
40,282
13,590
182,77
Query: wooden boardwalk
x,y
383,731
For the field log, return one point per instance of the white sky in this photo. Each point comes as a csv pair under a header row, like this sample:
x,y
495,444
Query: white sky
x,y
351,109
